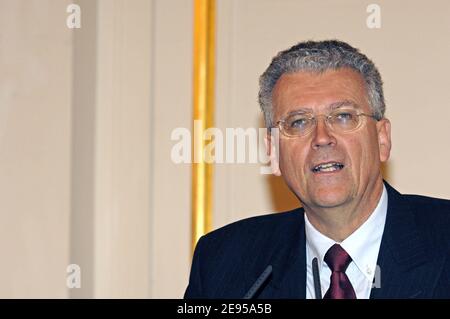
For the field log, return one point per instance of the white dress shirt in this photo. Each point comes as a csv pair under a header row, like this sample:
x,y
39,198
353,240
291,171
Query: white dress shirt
x,y
363,245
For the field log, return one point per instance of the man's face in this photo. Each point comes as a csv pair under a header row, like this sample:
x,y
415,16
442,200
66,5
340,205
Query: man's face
x,y
359,151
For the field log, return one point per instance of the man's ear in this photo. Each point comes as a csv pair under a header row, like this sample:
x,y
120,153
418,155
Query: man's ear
x,y
272,147
384,139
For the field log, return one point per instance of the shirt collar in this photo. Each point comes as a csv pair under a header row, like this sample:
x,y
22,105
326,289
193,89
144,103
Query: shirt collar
x,y
367,238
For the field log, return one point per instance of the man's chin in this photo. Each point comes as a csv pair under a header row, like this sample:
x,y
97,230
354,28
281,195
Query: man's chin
x,y
330,198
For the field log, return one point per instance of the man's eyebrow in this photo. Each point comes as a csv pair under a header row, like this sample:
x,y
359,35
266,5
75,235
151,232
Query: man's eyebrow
x,y
338,104
332,106
302,110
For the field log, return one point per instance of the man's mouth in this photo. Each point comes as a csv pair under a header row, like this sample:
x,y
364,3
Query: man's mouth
x,y
328,167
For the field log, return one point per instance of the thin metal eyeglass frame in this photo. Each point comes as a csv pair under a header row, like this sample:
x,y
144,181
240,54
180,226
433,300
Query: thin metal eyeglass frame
x,y
314,118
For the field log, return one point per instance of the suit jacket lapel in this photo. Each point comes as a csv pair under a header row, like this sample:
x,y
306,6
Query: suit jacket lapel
x,y
289,264
404,268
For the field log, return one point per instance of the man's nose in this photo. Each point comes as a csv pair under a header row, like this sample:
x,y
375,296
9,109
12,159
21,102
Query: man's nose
x,y
322,135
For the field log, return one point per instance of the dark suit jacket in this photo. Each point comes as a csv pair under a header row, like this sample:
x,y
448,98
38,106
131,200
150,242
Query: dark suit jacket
x,y
414,256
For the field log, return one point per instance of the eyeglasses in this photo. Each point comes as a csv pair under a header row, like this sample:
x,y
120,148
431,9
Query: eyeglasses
x,y
342,120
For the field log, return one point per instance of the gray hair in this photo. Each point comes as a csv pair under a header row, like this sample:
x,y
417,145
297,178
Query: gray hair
x,y
319,56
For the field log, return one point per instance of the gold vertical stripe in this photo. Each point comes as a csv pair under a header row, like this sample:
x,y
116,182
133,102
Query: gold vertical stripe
x,y
204,64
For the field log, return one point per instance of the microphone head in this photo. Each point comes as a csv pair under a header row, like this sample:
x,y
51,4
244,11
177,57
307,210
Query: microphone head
x,y
258,283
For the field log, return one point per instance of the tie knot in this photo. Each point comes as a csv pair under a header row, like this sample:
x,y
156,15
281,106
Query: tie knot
x,y
337,258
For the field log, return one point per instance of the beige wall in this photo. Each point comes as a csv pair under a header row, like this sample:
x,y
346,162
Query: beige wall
x,y
171,184
35,130
86,117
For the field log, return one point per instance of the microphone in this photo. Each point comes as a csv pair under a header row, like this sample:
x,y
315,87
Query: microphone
x,y
316,278
258,283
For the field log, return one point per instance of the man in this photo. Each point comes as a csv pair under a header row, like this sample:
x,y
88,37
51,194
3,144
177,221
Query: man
x,y
355,236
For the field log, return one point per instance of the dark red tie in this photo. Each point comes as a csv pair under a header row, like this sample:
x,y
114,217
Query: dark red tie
x,y
340,286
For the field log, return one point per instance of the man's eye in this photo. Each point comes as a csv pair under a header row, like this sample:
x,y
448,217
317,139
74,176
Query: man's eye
x,y
299,123
345,116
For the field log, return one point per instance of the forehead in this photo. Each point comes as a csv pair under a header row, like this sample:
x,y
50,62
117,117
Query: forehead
x,y
316,91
